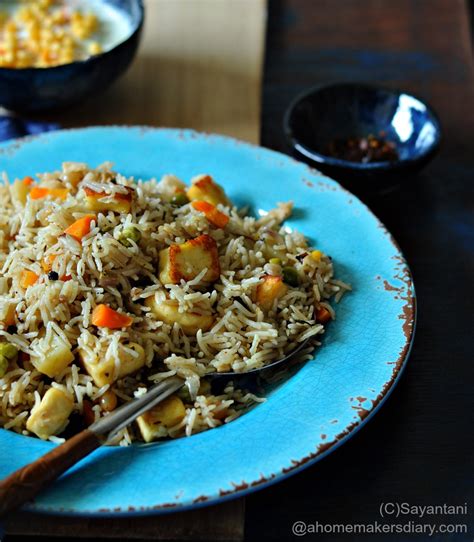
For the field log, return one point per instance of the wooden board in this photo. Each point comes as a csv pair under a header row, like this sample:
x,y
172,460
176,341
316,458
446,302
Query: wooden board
x,y
199,66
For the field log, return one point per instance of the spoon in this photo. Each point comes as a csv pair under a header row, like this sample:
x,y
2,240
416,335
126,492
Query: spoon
x,y
26,482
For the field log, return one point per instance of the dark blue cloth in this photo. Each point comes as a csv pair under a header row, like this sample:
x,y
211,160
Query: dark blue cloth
x,y
12,127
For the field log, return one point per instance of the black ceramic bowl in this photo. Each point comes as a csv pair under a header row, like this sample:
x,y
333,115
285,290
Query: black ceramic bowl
x,y
346,110
39,89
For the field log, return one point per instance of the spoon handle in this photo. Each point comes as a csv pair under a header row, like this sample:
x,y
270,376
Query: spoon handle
x,y
23,484
26,482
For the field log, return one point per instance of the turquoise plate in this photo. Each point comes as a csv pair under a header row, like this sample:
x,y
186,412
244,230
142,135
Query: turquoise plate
x,y
307,416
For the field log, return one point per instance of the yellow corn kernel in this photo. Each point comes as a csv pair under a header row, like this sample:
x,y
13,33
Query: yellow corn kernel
x,y
66,57
33,30
10,27
23,59
95,48
316,255
59,17
41,33
45,3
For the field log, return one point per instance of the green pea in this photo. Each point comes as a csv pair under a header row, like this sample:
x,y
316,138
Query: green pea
x,y
290,276
180,199
3,366
275,261
183,393
8,351
129,233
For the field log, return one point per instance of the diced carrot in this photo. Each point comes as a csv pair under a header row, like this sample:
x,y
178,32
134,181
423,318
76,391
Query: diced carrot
x,y
39,192
202,206
220,220
47,262
81,227
65,278
28,181
323,315
27,278
104,316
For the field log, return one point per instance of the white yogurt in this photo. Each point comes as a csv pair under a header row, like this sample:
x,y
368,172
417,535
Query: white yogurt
x,y
114,25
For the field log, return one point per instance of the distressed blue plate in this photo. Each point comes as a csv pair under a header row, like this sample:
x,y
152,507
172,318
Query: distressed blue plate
x,y
306,417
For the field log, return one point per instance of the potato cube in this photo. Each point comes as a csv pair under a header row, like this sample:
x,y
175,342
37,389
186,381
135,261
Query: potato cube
x,y
102,370
270,289
167,311
52,356
121,203
204,188
187,260
156,422
51,415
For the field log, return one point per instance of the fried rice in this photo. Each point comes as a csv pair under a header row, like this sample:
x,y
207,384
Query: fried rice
x,y
108,285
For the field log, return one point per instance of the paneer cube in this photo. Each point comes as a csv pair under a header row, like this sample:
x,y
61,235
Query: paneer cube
x,y
167,311
204,188
156,422
121,203
52,356
103,370
187,260
270,289
51,415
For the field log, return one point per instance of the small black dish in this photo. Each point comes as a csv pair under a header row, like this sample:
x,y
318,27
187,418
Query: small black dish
x,y
346,110
40,89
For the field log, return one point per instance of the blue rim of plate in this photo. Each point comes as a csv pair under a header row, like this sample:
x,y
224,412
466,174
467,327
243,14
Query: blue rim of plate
x,y
397,289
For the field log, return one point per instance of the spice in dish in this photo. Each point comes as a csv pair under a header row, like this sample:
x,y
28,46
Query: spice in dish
x,y
363,149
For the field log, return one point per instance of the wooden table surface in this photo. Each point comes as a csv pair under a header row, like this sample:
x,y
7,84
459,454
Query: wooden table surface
x,y
419,448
